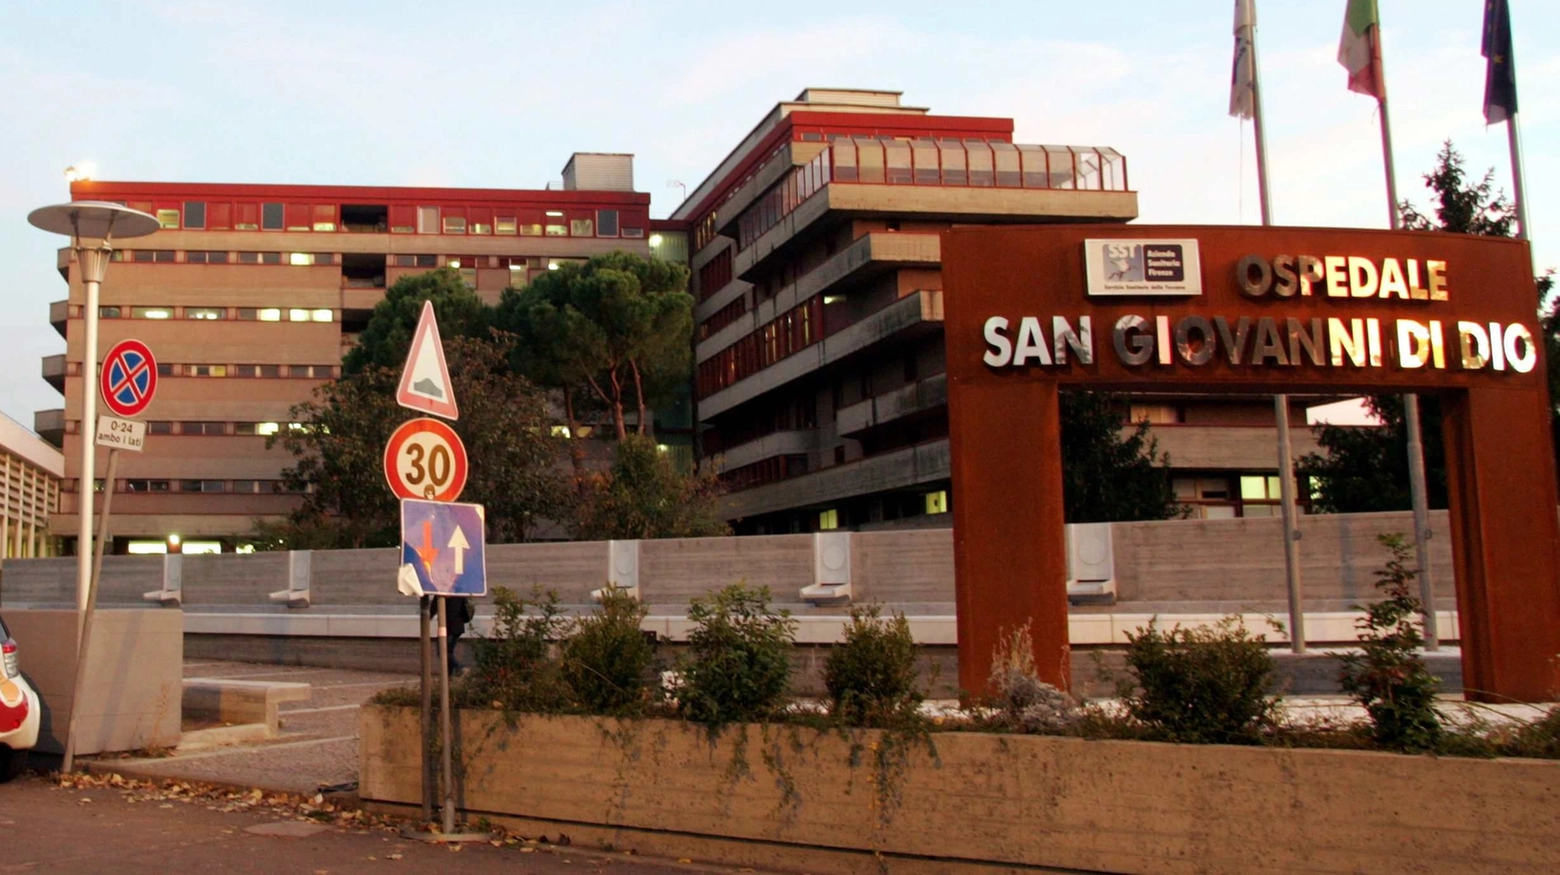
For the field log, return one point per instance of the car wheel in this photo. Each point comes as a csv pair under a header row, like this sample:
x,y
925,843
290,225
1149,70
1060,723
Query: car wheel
x,y
11,763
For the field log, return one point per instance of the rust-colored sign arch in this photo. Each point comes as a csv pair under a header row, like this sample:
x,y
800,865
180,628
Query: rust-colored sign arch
x,y
1214,309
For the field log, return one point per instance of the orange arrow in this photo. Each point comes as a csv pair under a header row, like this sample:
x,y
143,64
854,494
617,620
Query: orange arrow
x,y
427,552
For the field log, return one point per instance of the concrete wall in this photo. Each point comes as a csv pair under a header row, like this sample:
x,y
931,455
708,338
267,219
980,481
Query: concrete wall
x,y
807,800
134,690
1201,565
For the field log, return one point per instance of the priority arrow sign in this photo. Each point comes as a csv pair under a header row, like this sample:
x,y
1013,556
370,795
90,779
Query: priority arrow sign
x,y
442,548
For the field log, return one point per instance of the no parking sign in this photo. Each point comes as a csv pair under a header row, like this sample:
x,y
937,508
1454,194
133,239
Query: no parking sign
x,y
129,378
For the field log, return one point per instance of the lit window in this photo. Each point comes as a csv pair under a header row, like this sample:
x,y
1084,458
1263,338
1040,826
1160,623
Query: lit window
x,y
504,225
267,428
191,547
205,371
557,231
937,502
194,214
829,519
606,223
552,265
205,312
531,230
469,277
168,219
270,314
151,312
300,259
1259,488
147,548
582,227
322,316
297,314
271,217
454,262
454,224
555,214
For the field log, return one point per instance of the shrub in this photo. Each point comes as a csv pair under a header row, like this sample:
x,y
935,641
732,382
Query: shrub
x,y
1205,685
1022,699
1541,738
871,675
739,657
515,668
1388,677
606,662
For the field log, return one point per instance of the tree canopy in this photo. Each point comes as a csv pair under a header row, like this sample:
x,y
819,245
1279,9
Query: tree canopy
x,y
645,495
388,335
1108,475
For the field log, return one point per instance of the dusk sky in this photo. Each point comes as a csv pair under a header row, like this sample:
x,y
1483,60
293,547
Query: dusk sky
x,y
499,94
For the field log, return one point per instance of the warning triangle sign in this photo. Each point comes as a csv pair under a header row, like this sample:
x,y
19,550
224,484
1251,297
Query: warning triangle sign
x,y
425,381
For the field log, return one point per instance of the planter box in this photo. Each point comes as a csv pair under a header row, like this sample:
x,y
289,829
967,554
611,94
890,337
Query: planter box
x,y
792,798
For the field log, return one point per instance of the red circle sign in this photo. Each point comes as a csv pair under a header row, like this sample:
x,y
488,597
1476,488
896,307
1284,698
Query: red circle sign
x,y
129,378
425,459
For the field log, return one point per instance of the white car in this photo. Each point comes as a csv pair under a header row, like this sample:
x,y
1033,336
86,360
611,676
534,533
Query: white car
x,y
19,711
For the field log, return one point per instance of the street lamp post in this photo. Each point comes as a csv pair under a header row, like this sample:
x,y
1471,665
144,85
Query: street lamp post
x,y
92,227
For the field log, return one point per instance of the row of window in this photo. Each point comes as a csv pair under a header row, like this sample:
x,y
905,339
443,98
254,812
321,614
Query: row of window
x,y
797,328
373,218
167,369
219,429
723,317
213,314
253,487
715,275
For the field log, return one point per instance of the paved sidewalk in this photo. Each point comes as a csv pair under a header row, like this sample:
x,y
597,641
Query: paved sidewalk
x,y
128,829
318,745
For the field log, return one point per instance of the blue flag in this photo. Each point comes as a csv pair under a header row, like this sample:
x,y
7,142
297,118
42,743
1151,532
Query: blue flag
x,y
1500,78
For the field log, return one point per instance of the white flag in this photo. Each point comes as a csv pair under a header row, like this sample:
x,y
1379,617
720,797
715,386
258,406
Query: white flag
x,y
1243,78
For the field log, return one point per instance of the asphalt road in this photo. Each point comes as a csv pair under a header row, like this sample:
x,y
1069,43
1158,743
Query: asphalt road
x,y
45,827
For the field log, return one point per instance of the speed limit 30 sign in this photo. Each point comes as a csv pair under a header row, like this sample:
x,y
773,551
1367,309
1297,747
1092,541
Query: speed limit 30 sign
x,y
425,459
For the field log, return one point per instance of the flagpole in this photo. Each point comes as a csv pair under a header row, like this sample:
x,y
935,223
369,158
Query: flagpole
x,y
1515,140
1286,465
1416,448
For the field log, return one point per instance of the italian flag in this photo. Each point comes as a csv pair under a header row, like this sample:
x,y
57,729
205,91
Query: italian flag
x,y
1359,51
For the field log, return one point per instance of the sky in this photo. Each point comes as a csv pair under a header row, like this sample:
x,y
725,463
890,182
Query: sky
x,y
498,95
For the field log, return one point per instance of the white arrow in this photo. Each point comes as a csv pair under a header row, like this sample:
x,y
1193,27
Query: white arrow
x,y
460,545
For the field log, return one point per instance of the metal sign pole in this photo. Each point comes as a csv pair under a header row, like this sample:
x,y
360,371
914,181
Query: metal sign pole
x,y
86,615
444,716
424,606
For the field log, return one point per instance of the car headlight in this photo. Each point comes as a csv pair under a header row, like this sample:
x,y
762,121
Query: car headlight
x,y
8,664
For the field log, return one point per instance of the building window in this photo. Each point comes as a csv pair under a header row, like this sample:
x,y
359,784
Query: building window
x,y
427,220
205,258
166,370
151,312
606,223
531,229
205,312
454,224
633,232
221,217
557,230
1156,414
110,313
148,486
202,486
205,371
582,227
317,372
249,258
504,225
259,314
246,485
194,214
204,428
147,256
937,502
168,219
147,548
272,217
270,258
829,519
248,218
157,427
324,217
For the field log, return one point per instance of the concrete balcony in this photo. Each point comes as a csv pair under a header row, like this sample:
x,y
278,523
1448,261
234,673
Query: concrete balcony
x,y
989,206
780,443
917,397
54,371
900,469
914,315
50,425
1228,447
59,312
868,256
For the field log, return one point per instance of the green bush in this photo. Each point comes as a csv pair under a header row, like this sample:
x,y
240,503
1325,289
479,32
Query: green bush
x,y
738,663
1541,738
871,675
606,662
1389,677
1204,685
515,668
